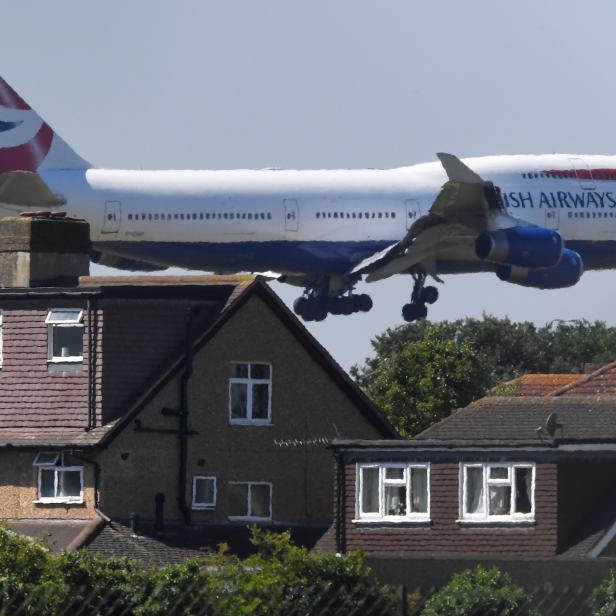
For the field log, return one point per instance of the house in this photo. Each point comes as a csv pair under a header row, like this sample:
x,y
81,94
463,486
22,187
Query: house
x,y
180,403
525,482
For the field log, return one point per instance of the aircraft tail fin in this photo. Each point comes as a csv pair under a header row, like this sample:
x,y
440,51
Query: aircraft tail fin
x,y
27,142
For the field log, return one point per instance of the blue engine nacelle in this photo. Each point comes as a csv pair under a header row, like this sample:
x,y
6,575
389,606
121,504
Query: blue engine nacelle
x,y
568,271
521,246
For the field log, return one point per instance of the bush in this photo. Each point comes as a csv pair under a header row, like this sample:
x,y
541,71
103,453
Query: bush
x,y
479,592
603,598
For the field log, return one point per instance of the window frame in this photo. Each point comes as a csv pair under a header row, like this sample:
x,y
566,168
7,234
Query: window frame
x,y
56,468
249,381
485,517
249,517
203,506
381,516
51,326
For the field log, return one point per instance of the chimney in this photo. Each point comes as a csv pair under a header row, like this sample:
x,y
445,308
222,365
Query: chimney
x,y
43,251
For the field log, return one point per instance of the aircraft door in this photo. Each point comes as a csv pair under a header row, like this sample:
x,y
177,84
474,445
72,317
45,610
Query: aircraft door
x,y
291,215
583,173
113,216
552,218
412,212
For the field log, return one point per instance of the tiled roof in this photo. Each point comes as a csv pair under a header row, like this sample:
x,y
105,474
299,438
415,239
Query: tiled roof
x,y
535,384
176,543
601,382
516,421
42,436
55,534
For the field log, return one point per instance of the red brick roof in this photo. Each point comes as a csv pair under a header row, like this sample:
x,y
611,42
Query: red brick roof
x,y
601,382
535,384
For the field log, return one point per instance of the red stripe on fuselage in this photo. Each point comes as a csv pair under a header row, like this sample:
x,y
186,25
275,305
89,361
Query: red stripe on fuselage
x,y
9,98
583,174
29,156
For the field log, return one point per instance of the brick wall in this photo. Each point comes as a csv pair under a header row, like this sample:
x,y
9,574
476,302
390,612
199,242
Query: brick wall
x,y
445,536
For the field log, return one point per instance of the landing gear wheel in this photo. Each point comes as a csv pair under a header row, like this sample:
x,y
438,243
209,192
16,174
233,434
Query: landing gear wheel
x,y
414,312
301,305
363,302
429,295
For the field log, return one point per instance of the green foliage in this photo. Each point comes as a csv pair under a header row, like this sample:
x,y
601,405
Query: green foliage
x,y
603,598
497,350
479,592
422,382
280,578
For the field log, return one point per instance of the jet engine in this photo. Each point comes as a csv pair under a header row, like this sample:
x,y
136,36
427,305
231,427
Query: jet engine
x,y
521,246
565,274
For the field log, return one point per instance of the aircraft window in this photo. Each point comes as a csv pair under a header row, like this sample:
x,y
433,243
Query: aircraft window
x,y
386,214
149,216
262,216
269,215
130,217
249,216
318,215
200,215
225,215
380,214
393,214
335,214
353,214
231,216
155,216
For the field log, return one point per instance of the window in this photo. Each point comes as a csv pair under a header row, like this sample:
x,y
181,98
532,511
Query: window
x,y
60,478
393,492
65,335
498,492
250,393
204,492
250,501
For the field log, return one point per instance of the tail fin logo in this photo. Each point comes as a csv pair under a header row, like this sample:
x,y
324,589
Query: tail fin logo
x,y
25,140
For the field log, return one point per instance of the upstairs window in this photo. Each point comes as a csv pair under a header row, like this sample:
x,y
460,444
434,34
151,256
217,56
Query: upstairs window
x,y
393,492
60,478
250,393
204,492
65,335
498,492
250,501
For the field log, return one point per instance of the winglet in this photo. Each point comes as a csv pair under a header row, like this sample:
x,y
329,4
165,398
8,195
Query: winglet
x,y
457,170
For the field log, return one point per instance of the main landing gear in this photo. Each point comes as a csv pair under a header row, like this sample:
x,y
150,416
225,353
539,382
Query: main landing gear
x,y
317,303
422,295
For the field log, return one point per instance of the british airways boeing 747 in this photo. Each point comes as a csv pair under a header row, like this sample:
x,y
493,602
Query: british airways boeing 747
x,y
535,221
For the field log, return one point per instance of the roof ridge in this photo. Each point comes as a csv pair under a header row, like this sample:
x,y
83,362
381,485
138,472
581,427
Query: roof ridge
x,y
583,380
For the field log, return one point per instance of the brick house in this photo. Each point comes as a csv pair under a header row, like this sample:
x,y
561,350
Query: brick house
x,y
507,480
192,402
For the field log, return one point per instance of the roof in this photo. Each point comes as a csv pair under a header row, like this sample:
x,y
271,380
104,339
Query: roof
x,y
56,534
176,543
516,421
535,384
601,382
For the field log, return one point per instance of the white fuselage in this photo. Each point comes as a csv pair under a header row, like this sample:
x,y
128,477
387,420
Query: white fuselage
x,y
328,220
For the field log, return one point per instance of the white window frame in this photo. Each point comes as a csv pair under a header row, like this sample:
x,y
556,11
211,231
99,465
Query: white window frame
x,y
51,325
75,500
485,516
249,517
249,382
195,504
381,516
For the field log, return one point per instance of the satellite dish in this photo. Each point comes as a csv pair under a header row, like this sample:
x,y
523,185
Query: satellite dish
x,y
550,424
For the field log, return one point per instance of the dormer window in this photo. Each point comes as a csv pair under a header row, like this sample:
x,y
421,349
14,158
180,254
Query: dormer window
x,y
60,478
65,335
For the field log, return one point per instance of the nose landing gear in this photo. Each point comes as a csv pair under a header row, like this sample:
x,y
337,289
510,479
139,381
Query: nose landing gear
x,y
422,295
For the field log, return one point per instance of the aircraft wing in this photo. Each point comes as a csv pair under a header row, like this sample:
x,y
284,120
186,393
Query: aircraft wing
x,y
26,189
466,206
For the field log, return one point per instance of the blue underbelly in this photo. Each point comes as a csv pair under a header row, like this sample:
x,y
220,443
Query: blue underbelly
x,y
281,256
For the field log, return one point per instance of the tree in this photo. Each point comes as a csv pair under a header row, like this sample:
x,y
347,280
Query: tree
x,y
423,381
413,394
479,592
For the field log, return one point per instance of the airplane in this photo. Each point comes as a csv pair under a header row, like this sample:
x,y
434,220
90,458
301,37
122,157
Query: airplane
x,y
533,220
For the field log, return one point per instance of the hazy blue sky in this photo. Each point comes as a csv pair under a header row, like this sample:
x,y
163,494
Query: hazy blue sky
x,y
326,83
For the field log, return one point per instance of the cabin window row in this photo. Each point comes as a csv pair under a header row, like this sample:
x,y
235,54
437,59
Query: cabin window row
x,y
365,215
590,214
489,493
570,174
203,216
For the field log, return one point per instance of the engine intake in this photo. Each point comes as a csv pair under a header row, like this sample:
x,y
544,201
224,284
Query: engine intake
x,y
521,246
568,271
